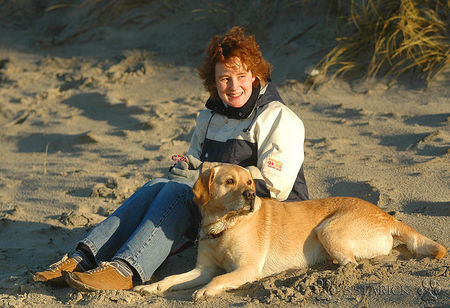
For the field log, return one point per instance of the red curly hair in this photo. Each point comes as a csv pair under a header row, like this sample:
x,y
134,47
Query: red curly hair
x,y
233,44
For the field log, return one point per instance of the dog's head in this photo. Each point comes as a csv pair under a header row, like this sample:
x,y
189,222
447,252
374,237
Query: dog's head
x,y
224,188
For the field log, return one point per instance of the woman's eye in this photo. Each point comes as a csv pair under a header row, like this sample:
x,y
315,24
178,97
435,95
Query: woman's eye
x,y
229,181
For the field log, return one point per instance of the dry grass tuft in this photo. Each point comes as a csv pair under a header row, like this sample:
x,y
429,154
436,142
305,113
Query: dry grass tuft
x,y
391,37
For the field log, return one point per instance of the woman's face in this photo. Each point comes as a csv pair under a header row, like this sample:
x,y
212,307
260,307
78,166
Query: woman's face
x,y
234,82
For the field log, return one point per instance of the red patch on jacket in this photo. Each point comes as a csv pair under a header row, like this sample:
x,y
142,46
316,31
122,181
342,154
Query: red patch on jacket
x,y
275,164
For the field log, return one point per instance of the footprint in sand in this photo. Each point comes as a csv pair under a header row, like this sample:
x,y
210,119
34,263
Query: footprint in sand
x,y
38,143
362,190
339,112
428,208
97,106
431,120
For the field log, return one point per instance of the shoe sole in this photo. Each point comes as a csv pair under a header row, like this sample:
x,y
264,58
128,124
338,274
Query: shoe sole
x,y
57,281
76,284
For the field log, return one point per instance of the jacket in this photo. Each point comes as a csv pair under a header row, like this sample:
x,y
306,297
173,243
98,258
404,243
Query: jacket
x,y
267,140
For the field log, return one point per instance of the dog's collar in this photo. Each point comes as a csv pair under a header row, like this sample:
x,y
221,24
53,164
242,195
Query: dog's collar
x,y
210,236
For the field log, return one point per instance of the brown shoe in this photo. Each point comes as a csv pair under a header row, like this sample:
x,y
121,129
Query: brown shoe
x,y
104,277
56,271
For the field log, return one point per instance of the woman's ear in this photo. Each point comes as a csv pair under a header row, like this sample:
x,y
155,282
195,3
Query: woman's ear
x,y
257,82
202,188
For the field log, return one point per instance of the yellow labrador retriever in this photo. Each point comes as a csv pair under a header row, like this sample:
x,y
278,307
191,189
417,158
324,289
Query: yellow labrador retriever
x,y
250,237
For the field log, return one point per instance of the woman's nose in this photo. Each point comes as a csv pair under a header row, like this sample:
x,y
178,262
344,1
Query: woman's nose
x,y
232,83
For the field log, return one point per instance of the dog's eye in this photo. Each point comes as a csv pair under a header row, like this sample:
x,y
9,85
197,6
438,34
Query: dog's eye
x,y
249,182
229,181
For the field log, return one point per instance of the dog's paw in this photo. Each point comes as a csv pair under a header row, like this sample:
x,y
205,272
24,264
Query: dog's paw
x,y
204,293
199,294
149,289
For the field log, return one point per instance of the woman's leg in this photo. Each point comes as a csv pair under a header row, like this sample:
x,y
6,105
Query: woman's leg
x,y
171,215
106,238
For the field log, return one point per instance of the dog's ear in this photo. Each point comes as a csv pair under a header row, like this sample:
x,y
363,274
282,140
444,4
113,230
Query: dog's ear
x,y
206,165
202,188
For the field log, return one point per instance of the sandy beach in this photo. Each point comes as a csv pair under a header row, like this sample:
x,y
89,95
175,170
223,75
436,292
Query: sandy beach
x,y
90,111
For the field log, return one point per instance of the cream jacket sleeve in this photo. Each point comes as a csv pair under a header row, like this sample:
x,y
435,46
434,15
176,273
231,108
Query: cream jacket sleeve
x,y
280,136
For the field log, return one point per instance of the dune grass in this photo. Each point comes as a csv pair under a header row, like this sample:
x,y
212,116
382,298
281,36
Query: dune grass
x,y
391,37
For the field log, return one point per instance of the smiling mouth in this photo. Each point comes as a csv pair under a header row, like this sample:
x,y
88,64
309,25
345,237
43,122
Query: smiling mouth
x,y
235,95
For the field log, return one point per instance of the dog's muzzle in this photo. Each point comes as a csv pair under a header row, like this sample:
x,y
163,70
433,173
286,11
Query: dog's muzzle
x,y
249,194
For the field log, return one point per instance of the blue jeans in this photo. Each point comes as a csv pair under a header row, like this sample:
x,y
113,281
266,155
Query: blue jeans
x,y
146,227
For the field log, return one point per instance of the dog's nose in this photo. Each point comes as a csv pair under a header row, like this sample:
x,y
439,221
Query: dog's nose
x,y
249,194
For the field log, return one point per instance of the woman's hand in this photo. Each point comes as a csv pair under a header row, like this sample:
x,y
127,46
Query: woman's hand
x,y
194,162
188,169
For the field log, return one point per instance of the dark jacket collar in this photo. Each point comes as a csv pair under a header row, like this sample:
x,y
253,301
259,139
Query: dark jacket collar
x,y
235,113
271,94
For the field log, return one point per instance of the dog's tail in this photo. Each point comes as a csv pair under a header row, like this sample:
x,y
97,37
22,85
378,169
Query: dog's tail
x,y
416,242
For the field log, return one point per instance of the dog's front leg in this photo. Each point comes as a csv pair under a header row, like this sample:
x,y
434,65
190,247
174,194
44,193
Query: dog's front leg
x,y
197,276
228,281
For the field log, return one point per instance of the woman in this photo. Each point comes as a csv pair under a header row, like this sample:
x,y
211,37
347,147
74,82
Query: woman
x,y
245,122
